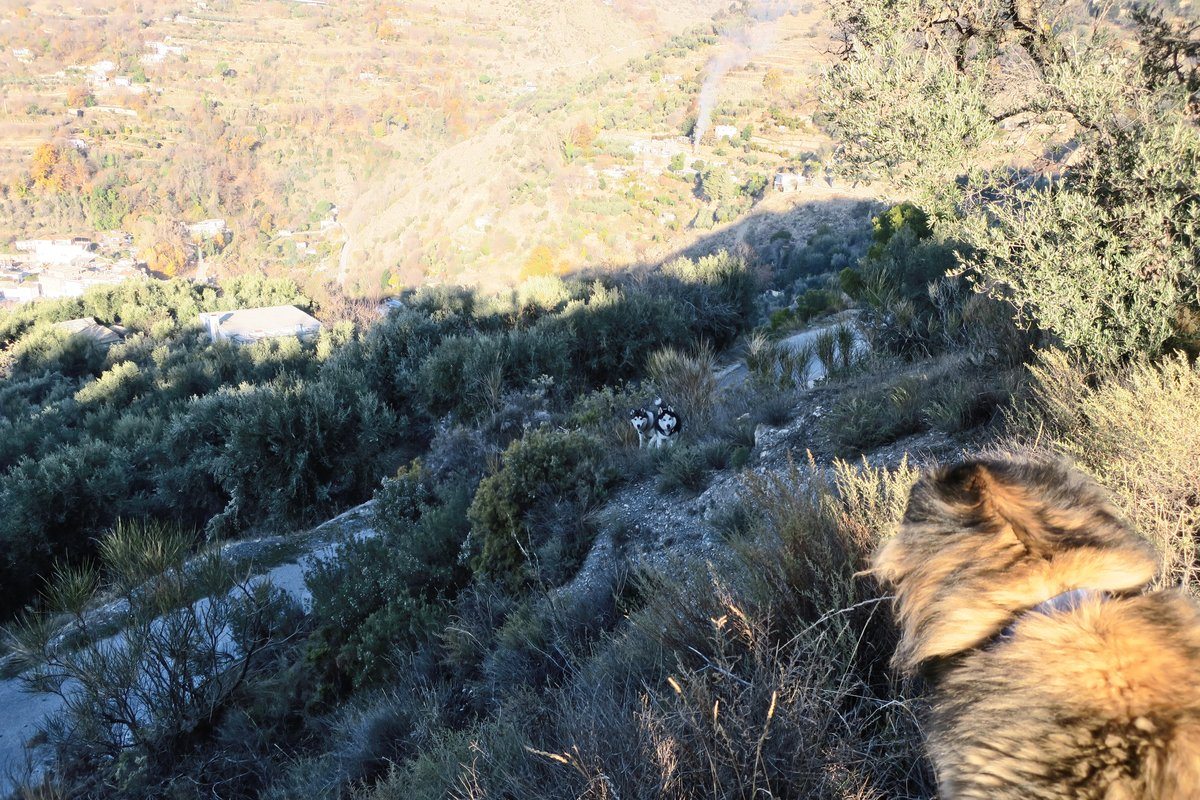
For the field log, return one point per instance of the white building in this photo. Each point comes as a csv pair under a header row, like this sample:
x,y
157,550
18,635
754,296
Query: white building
x,y
207,229
116,240
74,281
159,52
788,182
58,251
247,325
725,131
20,291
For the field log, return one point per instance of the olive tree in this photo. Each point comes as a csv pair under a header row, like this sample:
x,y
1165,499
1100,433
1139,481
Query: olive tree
x,y
1092,234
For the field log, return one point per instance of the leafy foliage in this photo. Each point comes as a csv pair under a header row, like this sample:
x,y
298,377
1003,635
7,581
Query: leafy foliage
x,y
167,425
1098,251
544,467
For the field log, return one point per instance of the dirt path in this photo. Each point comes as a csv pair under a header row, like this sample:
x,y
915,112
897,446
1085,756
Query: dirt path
x,y
22,713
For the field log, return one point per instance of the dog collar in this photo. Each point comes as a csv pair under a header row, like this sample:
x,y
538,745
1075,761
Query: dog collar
x,y
1066,601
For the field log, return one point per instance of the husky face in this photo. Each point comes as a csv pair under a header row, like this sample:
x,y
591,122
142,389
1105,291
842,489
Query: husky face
x,y
667,424
667,421
642,422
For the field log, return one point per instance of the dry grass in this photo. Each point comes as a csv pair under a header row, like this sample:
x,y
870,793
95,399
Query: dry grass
x,y
1137,430
686,380
763,676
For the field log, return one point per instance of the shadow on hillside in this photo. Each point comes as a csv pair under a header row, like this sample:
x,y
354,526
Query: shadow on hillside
x,y
772,242
768,239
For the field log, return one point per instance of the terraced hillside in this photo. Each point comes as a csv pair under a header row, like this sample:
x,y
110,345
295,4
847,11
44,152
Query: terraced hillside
x,y
388,145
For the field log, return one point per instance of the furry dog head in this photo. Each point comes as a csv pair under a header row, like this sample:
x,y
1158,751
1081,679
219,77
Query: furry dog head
x,y
642,422
1097,698
667,422
984,540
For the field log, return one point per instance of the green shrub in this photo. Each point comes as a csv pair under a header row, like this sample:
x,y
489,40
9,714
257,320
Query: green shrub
x,y
400,501
1082,255
323,441
604,413
117,386
851,283
889,223
380,596
47,349
689,467
542,469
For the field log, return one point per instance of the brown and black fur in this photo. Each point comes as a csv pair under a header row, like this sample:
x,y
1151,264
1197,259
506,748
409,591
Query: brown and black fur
x,y
1101,702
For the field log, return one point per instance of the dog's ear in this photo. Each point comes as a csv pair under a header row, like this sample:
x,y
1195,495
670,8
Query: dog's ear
x,y
999,499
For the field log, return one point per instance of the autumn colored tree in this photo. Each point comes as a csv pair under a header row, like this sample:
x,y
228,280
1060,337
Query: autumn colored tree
x,y
540,263
57,168
80,96
167,258
583,135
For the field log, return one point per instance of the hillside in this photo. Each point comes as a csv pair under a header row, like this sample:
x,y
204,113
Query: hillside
x,y
344,501
386,147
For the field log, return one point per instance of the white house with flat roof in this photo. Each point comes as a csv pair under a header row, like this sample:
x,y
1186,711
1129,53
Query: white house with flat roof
x,y
19,291
206,229
58,251
89,328
246,325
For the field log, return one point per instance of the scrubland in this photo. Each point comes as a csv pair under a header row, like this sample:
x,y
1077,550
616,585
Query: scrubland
x,y
466,643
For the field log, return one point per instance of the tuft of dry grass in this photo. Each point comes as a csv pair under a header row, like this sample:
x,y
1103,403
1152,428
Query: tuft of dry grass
x,y
1136,430
687,380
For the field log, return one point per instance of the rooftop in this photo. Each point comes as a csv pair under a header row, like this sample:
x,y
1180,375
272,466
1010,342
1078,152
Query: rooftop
x,y
251,324
89,327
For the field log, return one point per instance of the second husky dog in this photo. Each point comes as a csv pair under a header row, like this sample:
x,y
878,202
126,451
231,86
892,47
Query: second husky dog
x,y
642,422
667,424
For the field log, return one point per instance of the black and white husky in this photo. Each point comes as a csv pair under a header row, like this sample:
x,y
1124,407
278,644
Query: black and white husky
x,y
657,427
642,422
667,424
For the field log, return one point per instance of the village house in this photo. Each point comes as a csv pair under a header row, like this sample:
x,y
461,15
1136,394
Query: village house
x,y
725,131
159,52
97,74
654,155
206,229
13,291
788,182
116,240
60,268
658,148
89,328
72,280
15,283
58,252
246,325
